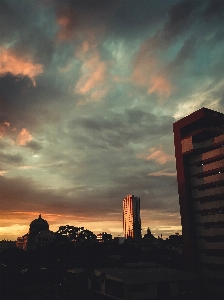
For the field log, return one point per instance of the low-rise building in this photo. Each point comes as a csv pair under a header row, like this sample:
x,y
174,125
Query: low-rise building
x,y
4,244
144,281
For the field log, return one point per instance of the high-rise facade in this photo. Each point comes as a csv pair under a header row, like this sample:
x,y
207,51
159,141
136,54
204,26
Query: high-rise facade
x,y
199,151
131,217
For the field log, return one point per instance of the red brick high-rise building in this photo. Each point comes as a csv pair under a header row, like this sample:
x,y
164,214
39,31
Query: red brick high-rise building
x,y
199,151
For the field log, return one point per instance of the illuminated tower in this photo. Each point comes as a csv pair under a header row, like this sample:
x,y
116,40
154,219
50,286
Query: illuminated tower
x,y
131,217
199,151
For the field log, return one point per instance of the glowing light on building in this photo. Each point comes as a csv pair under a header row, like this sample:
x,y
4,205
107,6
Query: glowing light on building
x,y
131,217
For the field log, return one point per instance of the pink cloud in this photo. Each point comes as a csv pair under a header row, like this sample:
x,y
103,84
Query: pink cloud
x,y
2,131
24,137
163,173
161,86
67,21
3,128
10,62
7,124
82,50
148,72
156,154
92,83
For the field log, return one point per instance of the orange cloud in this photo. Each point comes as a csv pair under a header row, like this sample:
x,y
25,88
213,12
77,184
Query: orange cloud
x,y
158,155
2,173
18,66
24,137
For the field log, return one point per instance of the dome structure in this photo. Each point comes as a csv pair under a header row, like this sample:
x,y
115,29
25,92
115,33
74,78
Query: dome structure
x,y
38,225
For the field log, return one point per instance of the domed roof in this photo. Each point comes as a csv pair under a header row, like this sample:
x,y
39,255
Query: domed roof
x,y
38,225
38,222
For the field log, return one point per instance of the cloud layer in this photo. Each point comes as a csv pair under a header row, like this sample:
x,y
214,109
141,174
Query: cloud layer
x,y
89,91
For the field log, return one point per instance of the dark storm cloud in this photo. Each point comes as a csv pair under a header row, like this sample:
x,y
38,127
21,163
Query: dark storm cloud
x,y
119,17
118,129
25,195
214,9
21,104
11,158
187,52
181,16
34,145
32,34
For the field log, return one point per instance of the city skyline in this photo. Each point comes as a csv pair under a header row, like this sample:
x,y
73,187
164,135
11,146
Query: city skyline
x,y
89,92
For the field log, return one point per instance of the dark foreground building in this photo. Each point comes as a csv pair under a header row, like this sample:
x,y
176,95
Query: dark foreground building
x,y
143,281
199,150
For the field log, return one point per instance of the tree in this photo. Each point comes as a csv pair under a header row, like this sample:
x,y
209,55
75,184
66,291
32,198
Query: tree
x,y
76,234
71,232
86,236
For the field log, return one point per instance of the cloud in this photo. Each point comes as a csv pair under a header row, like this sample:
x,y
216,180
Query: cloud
x,y
24,137
158,155
150,73
161,86
94,73
7,124
2,130
11,158
164,172
208,95
10,62
92,82
2,173
181,16
34,145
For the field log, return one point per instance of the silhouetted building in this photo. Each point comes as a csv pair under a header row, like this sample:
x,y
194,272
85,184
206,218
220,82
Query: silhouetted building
x,y
149,235
199,150
104,237
131,217
39,235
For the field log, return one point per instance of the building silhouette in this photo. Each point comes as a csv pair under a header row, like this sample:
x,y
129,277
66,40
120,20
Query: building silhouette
x,y
38,235
199,151
131,217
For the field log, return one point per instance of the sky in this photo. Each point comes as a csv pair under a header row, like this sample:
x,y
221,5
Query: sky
x,y
89,92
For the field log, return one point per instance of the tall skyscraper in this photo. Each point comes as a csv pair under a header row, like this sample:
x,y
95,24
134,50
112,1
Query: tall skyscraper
x,y
199,151
131,217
